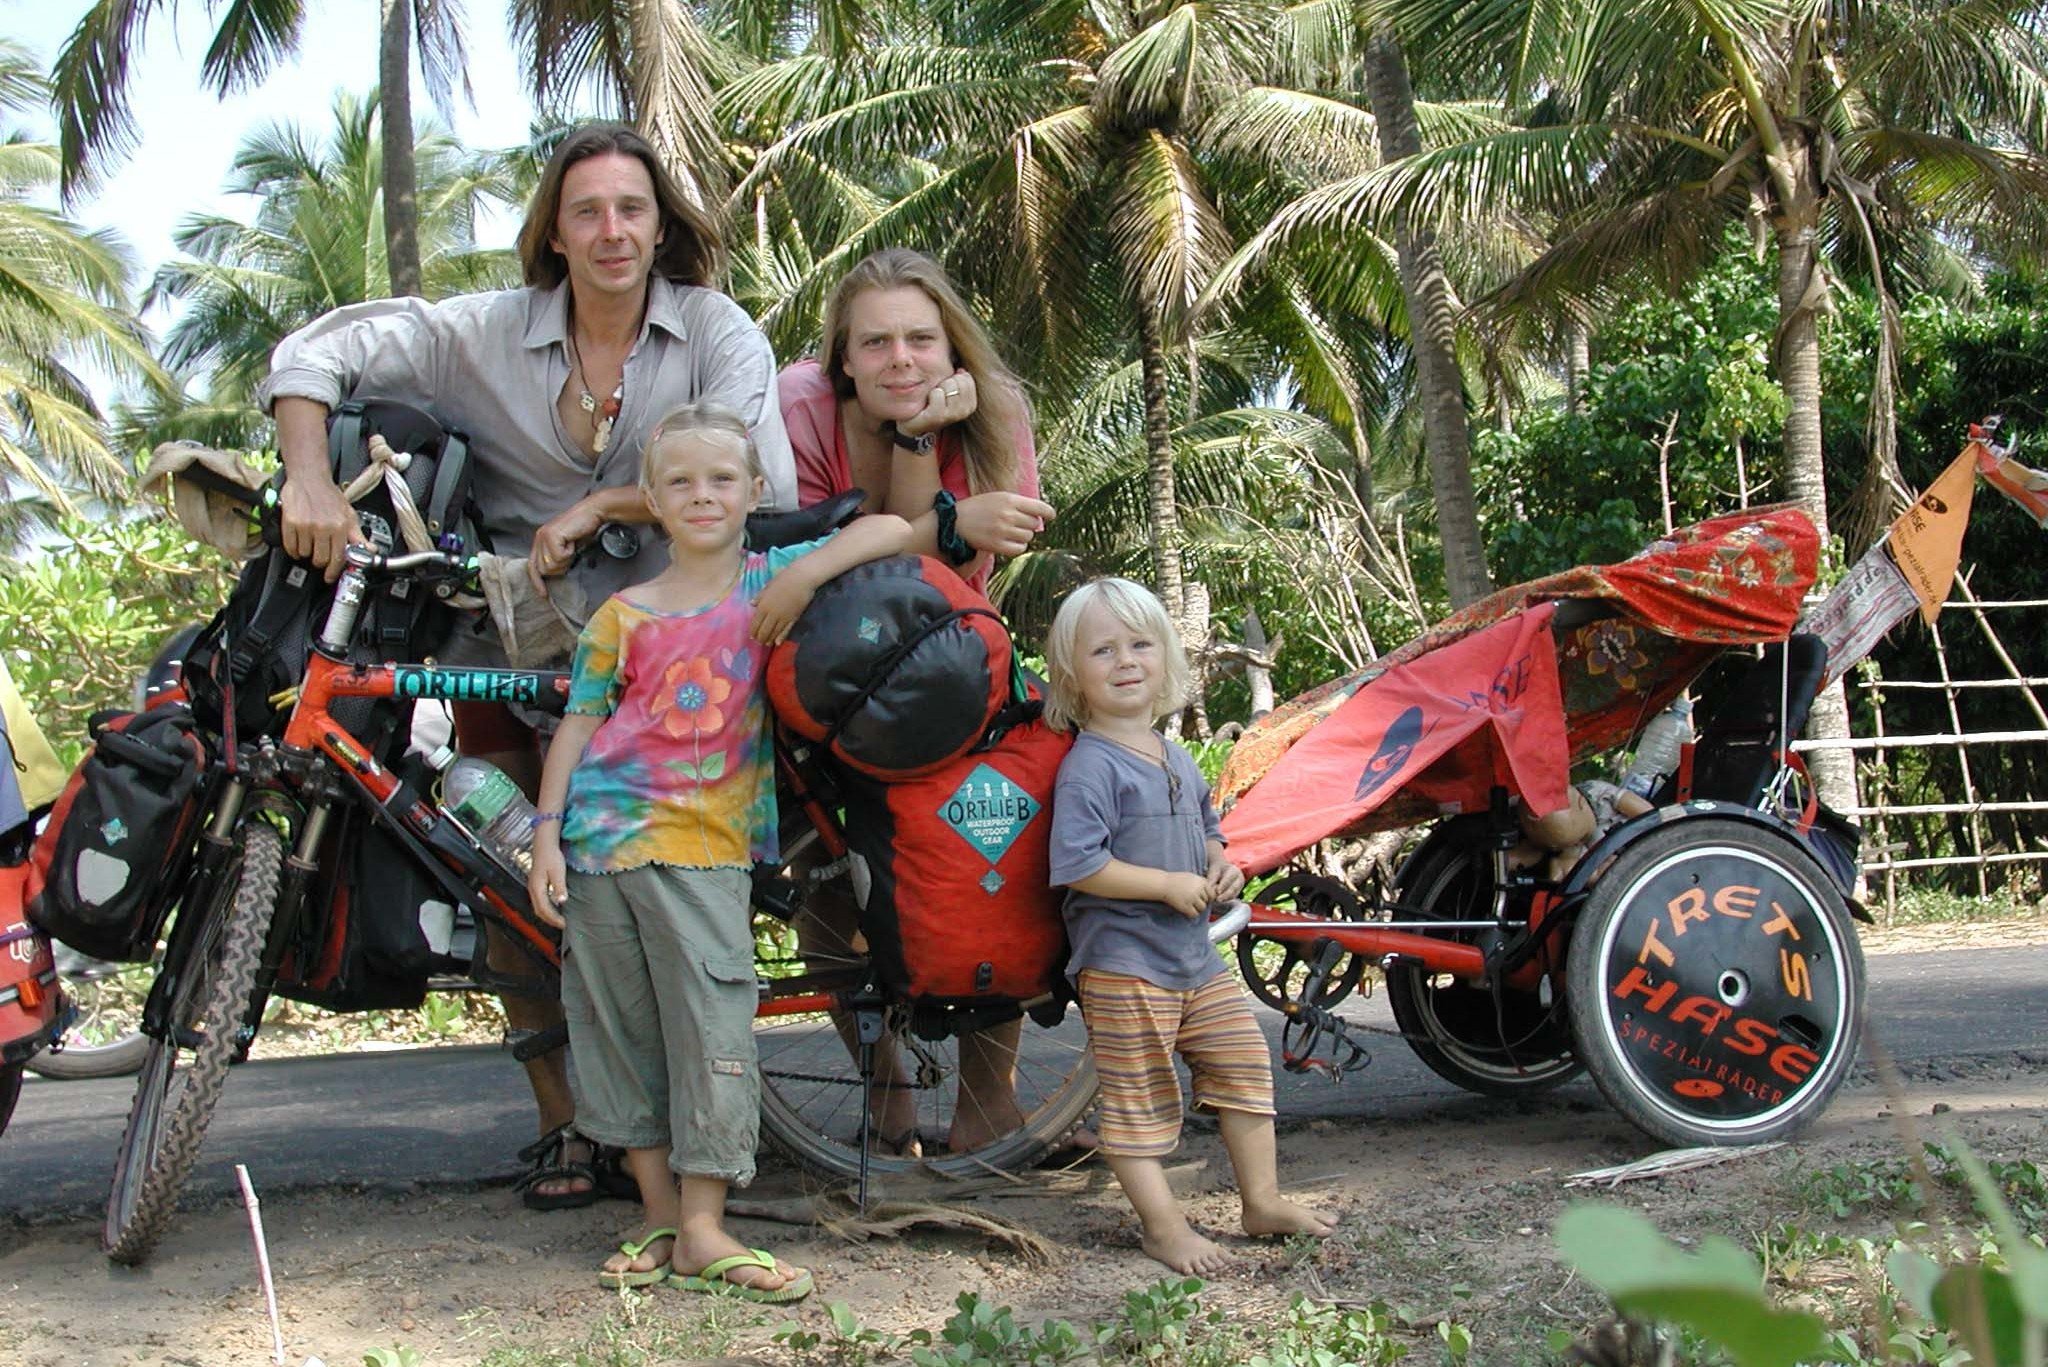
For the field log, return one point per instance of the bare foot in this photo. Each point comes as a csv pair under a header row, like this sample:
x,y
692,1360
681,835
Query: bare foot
x,y
694,1254
976,1123
1187,1252
1282,1216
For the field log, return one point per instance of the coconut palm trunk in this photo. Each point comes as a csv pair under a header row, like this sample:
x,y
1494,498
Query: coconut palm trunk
x,y
1802,298
394,115
1432,331
1162,510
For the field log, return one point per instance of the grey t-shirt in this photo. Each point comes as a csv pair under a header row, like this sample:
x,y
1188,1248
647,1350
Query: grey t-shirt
x,y
1109,803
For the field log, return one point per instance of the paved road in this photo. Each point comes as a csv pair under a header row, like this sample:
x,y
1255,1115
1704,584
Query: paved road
x,y
456,1115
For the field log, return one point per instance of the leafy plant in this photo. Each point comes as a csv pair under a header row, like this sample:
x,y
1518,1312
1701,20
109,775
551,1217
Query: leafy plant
x,y
847,1342
1848,1188
1355,1336
1718,1292
395,1356
441,1014
982,1335
1163,1322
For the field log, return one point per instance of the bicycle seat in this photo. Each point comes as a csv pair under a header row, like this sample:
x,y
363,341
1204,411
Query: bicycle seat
x,y
1741,744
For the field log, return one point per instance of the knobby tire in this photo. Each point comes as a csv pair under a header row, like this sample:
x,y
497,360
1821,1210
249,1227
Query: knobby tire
x,y
175,1097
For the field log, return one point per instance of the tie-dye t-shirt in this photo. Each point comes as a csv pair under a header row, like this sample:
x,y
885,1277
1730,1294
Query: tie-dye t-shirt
x,y
683,770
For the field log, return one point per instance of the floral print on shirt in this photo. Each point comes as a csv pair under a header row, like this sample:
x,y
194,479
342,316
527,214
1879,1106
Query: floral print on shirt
x,y
682,771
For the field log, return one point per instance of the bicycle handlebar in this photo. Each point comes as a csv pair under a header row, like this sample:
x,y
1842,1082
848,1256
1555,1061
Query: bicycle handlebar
x,y
369,561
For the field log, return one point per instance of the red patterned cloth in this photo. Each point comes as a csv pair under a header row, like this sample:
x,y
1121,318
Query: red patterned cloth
x,y
1655,621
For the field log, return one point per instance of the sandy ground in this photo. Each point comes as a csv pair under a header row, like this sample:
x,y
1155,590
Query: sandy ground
x,y
1445,1214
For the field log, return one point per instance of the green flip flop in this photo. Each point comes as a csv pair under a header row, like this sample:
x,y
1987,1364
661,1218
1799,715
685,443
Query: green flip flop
x,y
649,1276
713,1281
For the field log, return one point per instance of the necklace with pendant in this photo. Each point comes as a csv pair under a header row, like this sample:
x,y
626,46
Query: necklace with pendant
x,y
603,415
1160,759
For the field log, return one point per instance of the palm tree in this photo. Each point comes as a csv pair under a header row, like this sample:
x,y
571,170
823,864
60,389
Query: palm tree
x,y
97,127
315,242
649,61
1870,134
1072,163
63,300
1876,133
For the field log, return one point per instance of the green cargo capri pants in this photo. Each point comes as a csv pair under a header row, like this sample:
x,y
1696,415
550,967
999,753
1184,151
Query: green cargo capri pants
x,y
658,988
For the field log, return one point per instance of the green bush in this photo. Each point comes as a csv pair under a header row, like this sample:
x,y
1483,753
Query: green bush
x,y
82,617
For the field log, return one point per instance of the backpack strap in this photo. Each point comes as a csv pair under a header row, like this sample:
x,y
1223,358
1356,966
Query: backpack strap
x,y
448,499
286,587
886,665
345,442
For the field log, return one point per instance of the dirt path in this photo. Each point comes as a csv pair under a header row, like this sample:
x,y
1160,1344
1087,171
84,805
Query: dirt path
x,y
1444,1218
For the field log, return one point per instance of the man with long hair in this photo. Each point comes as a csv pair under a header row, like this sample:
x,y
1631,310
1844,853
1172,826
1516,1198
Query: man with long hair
x,y
557,385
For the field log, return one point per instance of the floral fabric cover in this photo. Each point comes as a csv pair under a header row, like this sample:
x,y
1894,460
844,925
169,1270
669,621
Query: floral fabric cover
x,y
1738,579
683,770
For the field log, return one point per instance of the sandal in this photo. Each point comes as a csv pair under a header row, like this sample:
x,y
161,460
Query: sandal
x,y
608,1167
713,1279
646,1276
547,1159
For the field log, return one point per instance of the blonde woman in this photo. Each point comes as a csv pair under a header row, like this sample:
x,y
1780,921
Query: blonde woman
x,y
908,400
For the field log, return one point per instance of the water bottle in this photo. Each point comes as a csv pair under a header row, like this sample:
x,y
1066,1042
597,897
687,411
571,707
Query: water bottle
x,y
484,798
1657,753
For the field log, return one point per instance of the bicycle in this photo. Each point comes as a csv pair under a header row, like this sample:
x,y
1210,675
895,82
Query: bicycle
x,y
272,801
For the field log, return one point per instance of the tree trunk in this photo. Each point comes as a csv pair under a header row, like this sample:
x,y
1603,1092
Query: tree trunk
x,y
1432,331
394,115
1802,297
1578,364
1162,510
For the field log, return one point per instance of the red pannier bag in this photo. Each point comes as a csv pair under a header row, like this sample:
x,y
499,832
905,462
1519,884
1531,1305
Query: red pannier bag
x,y
28,975
897,668
961,909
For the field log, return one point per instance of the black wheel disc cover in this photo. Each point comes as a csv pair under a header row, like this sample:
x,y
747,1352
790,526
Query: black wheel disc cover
x,y
1722,985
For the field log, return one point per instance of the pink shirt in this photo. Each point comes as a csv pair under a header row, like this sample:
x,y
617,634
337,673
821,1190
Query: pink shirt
x,y
810,410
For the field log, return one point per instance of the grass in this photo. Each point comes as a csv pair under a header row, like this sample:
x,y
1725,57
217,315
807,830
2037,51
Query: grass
x,y
639,1333
1928,906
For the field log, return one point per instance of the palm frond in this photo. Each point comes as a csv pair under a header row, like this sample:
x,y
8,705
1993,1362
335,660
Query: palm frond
x,y
250,39
89,87
1163,227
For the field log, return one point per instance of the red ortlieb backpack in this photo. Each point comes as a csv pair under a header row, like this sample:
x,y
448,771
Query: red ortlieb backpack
x,y
961,909
897,668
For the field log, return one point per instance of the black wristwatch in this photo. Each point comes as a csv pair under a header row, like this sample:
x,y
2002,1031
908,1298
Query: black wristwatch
x,y
917,446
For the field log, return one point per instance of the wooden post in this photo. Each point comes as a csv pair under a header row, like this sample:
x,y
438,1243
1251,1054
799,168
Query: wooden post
x,y
1882,781
1955,722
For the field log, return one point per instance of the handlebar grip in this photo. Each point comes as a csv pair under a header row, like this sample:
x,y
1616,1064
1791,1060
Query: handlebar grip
x,y
1235,917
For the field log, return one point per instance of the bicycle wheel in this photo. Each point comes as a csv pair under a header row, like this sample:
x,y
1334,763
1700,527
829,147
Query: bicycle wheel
x,y
1715,984
811,1085
183,1072
10,1091
1495,1043
105,1039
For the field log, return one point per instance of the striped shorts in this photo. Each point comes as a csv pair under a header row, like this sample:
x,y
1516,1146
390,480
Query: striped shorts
x,y
1136,1027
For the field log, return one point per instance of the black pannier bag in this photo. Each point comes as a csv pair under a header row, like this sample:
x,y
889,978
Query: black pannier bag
x,y
256,647
119,842
897,668
360,946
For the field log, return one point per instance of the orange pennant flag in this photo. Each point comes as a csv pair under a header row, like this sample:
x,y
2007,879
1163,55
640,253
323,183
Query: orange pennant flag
x,y
1927,540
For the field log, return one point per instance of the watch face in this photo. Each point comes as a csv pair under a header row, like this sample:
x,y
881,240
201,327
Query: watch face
x,y
919,445
620,541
